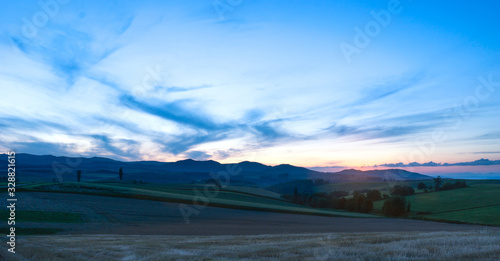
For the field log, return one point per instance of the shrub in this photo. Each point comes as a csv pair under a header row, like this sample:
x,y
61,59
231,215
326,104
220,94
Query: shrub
x,y
457,185
447,186
402,190
373,195
360,199
367,206
338,194
356,193
421,186
395,206
350,204
340,203
437,182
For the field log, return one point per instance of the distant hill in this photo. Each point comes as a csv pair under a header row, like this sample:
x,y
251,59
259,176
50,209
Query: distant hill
x,y
44,168
349,176
380,175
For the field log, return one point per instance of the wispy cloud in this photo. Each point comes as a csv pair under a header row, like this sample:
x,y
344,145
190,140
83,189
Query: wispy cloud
x,y
380,91
174,111
256,82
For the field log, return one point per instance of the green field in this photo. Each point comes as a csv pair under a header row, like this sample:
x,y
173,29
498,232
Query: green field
x,y
484,215
477,204
187,194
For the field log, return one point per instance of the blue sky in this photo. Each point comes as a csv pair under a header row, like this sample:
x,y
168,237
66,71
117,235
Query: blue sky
x,y
267,81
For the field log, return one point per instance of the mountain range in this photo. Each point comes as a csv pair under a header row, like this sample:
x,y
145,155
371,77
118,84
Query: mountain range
x,y
48,168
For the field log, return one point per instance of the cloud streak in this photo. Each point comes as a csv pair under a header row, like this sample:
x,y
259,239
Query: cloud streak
x,y
257,84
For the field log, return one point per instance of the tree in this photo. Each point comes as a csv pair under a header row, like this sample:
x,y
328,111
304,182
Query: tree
x,y
350,204
373,195
340,203
438,181
359,200
356,193
295,195
395,206
421,186
447,186
460,184
120,173
402,190
338,194
323,202
457,185
78,175
367,206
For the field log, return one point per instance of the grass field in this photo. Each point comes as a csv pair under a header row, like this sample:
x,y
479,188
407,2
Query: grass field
x,y
485,215
444,246
385,186
227,199
476,204
232,192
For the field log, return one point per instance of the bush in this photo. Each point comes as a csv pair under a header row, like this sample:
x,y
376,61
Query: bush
x,y
457,185
338,194
373,195
367,206
319,202
402,190
438,181
395,206
350,204
447,186
421,186
340,203
359,202
356,193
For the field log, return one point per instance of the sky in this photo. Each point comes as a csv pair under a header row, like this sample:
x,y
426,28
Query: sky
x,y
321,84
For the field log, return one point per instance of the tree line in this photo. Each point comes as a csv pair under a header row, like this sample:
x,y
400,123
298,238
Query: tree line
x,y
362,200
79,174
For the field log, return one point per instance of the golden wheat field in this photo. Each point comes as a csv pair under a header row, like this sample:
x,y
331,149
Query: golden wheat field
x,y
471,245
